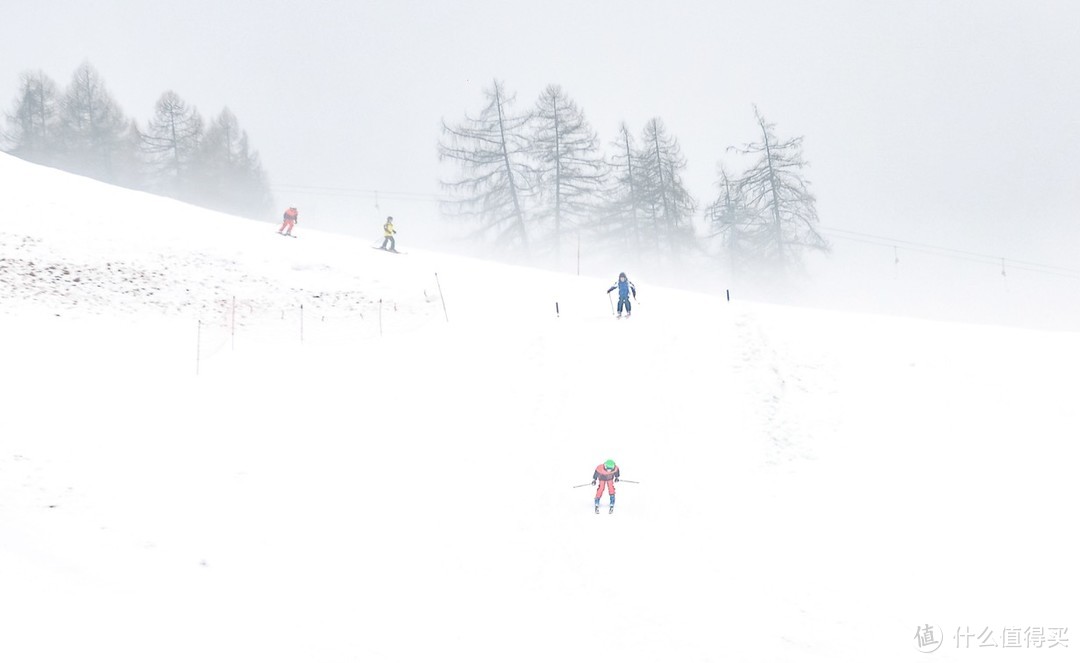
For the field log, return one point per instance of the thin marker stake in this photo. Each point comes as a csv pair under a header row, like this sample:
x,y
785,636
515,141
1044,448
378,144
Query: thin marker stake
x,y
232,330
441,298
198,346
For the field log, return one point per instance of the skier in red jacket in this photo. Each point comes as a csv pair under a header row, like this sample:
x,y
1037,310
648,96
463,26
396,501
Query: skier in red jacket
x,y
288,221
608,475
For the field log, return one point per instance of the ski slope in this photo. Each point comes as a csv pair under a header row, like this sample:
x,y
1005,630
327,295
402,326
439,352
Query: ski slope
x,y
385,475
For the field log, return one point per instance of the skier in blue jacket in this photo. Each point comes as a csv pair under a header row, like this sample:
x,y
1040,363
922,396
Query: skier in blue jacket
x,y
626,288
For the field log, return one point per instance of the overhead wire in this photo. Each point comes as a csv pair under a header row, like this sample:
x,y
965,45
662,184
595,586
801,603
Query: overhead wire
x,y
839,233
949,252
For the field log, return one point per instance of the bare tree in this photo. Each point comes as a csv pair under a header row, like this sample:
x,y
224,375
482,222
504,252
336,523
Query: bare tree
x,y
670,206
492,151
783,225
570,170
97,138
733,221
84,131
229,174
172,142
620,224
33,132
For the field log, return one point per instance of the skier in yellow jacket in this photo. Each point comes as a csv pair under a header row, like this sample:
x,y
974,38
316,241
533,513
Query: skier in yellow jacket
x,y
388,235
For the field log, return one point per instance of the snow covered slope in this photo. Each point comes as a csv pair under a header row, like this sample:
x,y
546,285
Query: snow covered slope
x,y
357,473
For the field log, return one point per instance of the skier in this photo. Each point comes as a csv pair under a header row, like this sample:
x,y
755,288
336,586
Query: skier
x,y
289,221
626,288
608,474
388,235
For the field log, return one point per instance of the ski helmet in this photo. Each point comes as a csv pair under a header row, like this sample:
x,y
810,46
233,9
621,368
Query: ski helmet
x,y
609,464
622,275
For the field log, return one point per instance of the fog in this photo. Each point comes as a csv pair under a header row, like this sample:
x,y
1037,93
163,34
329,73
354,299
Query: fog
x,y
945,133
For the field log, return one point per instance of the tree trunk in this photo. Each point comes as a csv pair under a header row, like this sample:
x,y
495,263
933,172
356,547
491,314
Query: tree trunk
x,y
509,170
558,180
175,145
633,196
41,139
775,204
663,189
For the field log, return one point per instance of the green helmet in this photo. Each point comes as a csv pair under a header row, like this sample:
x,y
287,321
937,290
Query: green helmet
x,y
609,464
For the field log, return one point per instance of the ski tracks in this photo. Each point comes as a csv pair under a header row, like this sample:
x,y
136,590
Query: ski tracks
x,y
790,390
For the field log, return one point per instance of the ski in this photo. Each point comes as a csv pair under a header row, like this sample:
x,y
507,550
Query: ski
x,y
379,248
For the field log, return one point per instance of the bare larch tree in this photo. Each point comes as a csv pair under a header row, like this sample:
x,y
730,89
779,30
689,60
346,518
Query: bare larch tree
x,y
620,226
97,137
731,220
492,151
569,167
783,226
230,176
669,204
33,124
172,142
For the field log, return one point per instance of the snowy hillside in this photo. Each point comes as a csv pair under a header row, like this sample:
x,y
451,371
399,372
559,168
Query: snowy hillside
x,y
220,444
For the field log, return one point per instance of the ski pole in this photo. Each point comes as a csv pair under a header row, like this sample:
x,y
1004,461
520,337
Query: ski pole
x,y
628,481
582,485
611,302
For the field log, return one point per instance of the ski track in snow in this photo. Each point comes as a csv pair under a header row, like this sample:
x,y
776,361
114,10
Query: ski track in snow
x,y
786,386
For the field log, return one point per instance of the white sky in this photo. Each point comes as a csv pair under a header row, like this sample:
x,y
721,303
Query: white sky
x,y
944,122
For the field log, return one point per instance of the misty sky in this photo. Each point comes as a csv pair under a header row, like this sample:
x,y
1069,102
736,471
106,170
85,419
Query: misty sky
x,y
938,121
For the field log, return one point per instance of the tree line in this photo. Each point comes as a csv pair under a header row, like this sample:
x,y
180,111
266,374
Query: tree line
x,y
82,129
538,179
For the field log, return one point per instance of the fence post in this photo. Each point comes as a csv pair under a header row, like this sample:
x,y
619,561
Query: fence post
x,y
443,300
198,346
